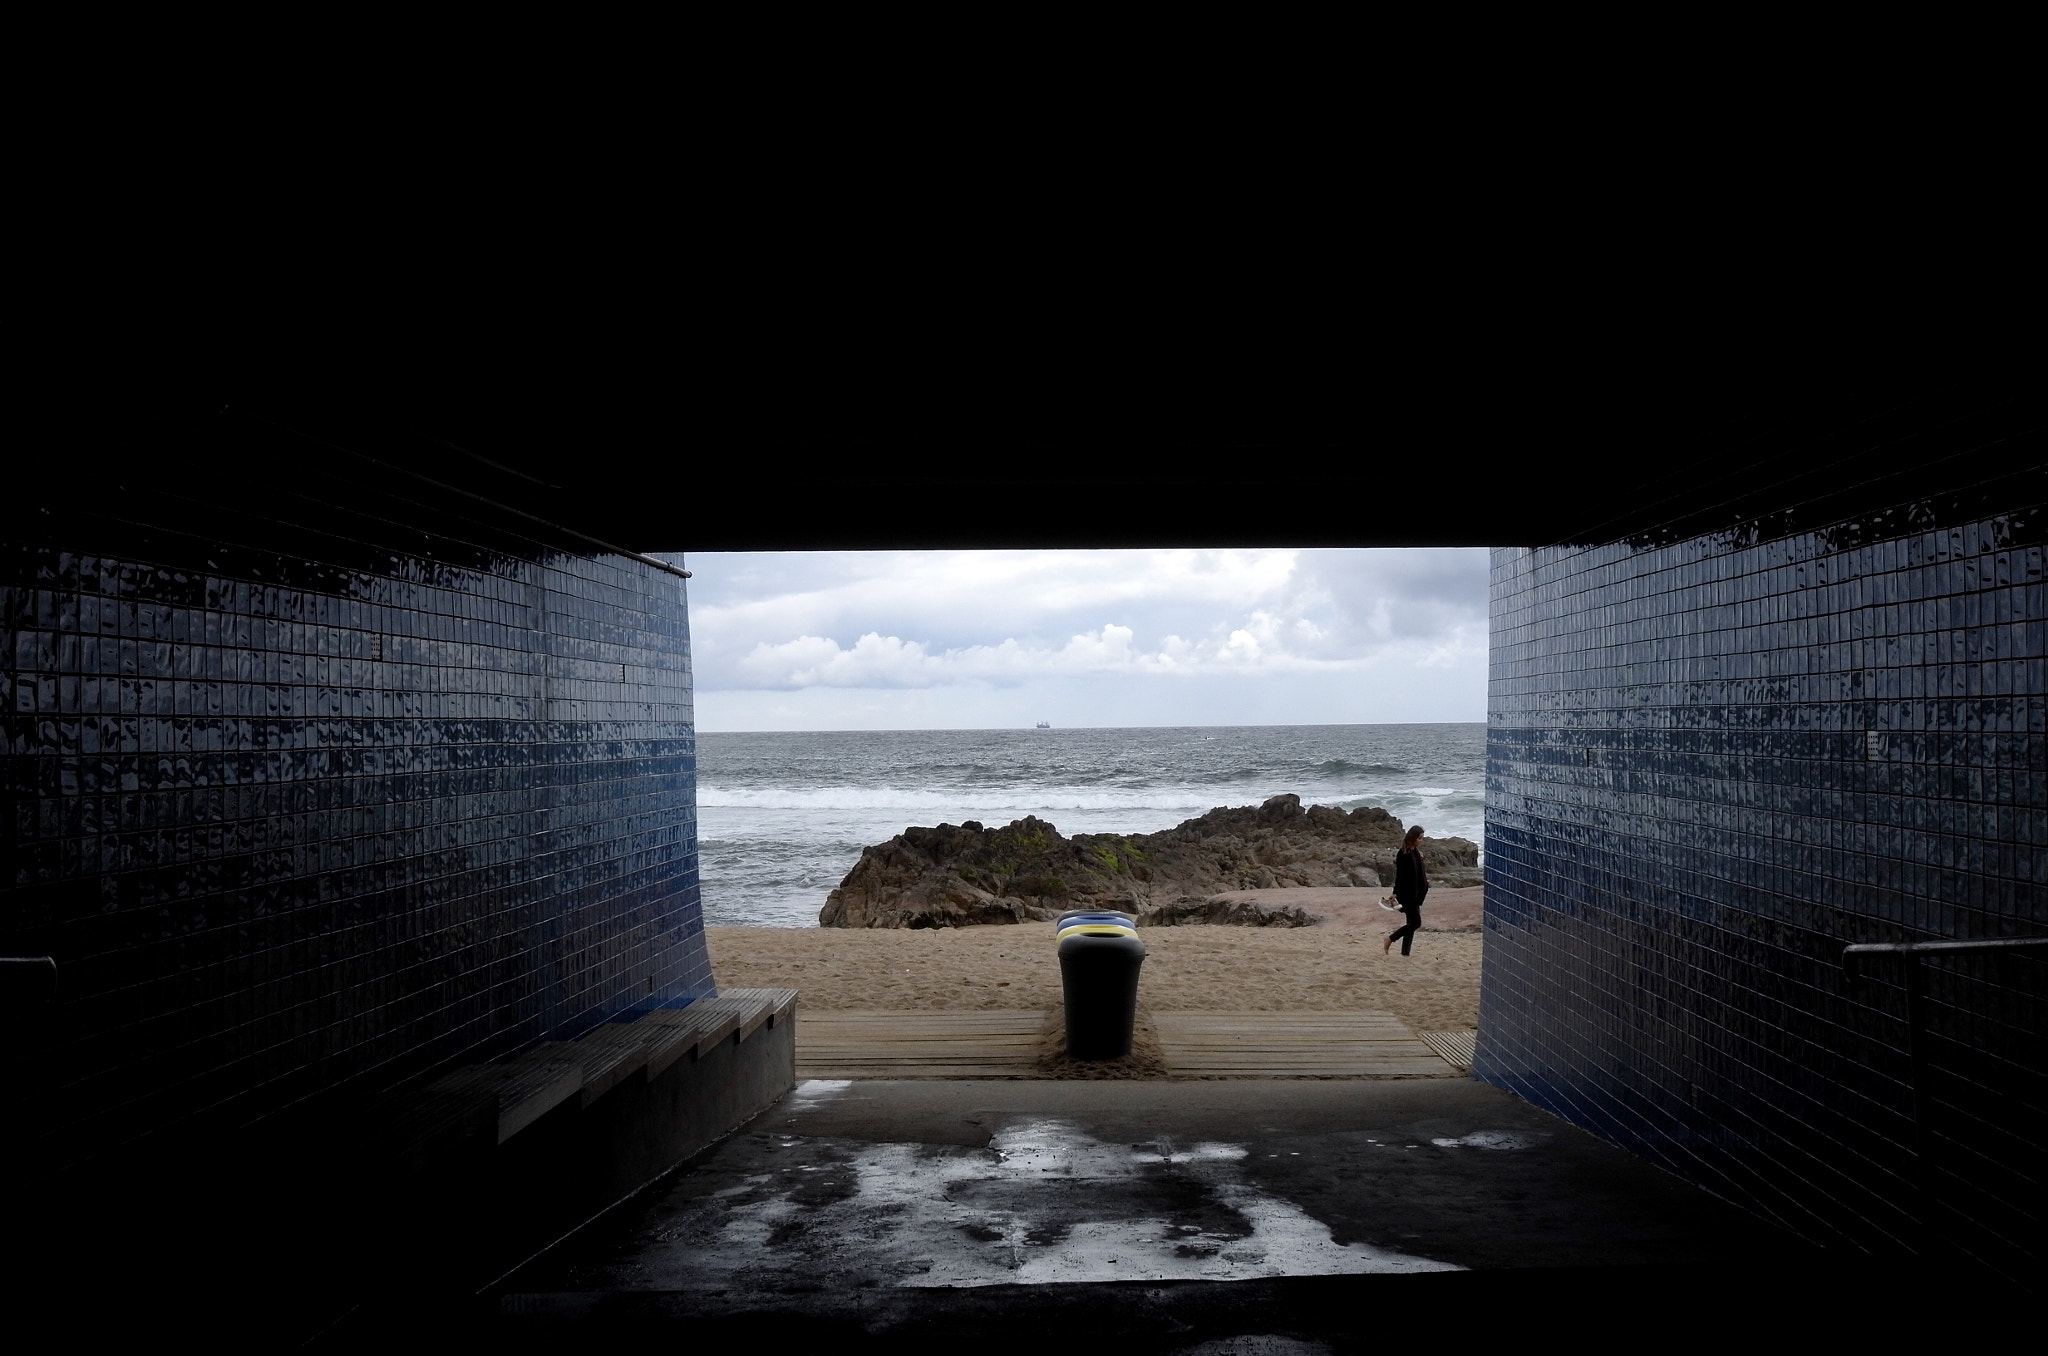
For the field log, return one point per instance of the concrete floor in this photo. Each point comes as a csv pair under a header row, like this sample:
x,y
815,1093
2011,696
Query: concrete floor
x,y
874,1210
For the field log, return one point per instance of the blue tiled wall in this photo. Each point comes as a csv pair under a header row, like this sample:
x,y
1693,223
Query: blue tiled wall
x,y
324,795
1713,763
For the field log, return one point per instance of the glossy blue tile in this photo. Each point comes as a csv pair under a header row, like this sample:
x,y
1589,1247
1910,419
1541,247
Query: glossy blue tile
x,y
298,812
1712,763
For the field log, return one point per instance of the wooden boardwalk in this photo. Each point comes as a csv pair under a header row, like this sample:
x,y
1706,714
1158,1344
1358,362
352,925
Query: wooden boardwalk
x,y
1294,1045
1454,1046
1194,1044
918,1044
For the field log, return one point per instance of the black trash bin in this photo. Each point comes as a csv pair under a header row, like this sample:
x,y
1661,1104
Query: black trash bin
x,y
1099,958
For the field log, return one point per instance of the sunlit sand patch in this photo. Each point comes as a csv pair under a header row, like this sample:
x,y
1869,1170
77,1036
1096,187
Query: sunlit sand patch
x,y
1186,969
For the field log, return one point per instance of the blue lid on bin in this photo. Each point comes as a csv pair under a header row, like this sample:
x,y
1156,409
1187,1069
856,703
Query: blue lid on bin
x,y
1118,914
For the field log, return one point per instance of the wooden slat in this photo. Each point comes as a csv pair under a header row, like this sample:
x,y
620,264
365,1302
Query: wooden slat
x,y
867,1044
534,1091
611,1054
741,1007
920,1071
1177,1055
1282,1031
1454,1046
920,1039
667,1042
756,1007
939,1050
707,1022
861,1031
882,1058
526,1088
1294,1045
699,1028
875,1044
510,1095
815,1031
1361,1049
1280,1021
918,1021
1264,1022
1314,1059
1420,1068
929,1047
716,1025
1334,1050
424,1120
785,1005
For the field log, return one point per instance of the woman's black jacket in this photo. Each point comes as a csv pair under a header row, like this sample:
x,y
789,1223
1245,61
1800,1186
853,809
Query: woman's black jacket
x,y
1411,882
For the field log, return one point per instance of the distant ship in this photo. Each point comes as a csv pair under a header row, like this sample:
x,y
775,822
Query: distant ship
x,y
1044,725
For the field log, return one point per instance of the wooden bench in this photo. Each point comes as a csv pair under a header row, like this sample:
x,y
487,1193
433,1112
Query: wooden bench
x,y
504,1097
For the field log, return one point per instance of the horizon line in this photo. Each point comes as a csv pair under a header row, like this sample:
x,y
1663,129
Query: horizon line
x,y
988,729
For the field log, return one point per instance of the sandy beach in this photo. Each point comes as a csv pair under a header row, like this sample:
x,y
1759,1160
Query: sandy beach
x,y
1338,967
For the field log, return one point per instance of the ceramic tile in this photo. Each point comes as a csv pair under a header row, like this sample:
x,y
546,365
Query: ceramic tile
x,y
1711,765
315,816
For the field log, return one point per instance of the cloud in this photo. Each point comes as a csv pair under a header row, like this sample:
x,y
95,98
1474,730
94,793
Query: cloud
x,y
1375,596
938,622
890,661
955,599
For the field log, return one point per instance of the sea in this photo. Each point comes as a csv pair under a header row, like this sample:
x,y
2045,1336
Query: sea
x,y
783,816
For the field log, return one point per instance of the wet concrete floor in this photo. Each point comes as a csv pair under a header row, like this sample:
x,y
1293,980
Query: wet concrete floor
x,y
880,1208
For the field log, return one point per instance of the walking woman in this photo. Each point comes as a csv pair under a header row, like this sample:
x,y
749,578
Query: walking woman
x,y
1411,883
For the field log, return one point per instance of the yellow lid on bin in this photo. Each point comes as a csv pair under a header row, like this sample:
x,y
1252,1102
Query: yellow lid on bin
x,y
1094,930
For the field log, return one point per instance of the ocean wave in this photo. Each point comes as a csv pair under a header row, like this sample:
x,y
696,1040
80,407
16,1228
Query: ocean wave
x,y
866,798
971,800
1241,778
785,816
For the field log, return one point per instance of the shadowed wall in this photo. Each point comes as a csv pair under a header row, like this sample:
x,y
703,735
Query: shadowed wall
x,y
1714,761
320,775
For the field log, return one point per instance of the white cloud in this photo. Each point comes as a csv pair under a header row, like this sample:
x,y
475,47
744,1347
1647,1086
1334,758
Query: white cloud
x,y
1322,635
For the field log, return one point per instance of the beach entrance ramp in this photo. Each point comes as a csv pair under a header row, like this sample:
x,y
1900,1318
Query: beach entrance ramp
x,y
875,1044
1011,1044
1294,1045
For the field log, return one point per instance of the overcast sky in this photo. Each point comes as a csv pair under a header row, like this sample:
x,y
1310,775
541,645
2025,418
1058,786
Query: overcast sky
x,y
989,639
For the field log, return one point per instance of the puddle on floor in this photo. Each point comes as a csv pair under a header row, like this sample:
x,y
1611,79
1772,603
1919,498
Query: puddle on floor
x,y
1043,1202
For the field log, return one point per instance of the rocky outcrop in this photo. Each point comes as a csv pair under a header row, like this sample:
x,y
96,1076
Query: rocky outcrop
x,y
1244,913
959,875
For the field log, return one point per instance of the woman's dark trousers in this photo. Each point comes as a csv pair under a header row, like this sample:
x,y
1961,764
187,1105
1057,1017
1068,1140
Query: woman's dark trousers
x,y
1406,934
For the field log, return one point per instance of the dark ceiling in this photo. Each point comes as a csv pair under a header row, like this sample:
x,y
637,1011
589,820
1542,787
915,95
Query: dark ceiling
x,y
1510,457
1504,465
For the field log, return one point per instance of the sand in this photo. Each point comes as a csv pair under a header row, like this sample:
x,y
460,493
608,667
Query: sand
x,y
1335,968
1347,909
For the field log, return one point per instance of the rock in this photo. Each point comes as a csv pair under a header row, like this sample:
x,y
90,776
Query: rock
x,y
957,875
1223,909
